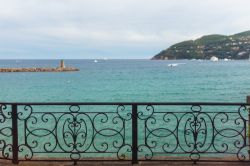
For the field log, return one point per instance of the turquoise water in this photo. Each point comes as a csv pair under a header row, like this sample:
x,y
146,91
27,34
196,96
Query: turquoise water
x,y
128,80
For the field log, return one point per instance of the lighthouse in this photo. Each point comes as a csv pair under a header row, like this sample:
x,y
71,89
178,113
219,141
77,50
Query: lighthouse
x,y
62,64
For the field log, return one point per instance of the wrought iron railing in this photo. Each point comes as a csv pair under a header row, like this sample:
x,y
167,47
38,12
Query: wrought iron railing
x,y
124,132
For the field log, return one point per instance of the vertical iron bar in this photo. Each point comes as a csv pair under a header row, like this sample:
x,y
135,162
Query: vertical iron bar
x,y
248,133
248,127
134,135
14,134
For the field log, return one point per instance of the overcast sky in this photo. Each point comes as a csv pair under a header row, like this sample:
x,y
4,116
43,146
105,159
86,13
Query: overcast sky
x,y
39,29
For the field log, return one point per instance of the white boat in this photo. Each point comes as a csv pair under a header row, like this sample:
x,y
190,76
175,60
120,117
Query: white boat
x,y
172,65
214,59
225,59
95,61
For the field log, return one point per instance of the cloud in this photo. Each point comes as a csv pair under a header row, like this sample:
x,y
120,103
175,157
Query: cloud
x,y
141,26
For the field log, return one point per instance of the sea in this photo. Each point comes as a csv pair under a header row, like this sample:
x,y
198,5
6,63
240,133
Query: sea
x,y
104,131
128,81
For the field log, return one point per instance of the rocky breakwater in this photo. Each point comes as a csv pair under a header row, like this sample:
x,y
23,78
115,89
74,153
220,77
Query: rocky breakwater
x,y
66,69
62,68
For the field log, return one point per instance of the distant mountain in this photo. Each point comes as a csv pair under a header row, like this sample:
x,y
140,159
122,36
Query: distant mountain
x,y
231,47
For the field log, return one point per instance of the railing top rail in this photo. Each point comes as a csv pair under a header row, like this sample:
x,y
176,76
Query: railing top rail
x,y
127,103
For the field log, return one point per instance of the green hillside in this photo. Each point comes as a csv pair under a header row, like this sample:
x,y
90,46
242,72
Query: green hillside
x,y
236,46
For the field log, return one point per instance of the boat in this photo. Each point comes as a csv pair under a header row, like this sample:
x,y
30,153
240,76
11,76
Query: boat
x,y
95,61
214,59
172,65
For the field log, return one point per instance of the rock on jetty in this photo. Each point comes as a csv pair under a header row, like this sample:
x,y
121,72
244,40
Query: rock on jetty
x,y
61,68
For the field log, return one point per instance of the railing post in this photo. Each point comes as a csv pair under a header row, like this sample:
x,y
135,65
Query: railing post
x,y
134,135
248,102
14,134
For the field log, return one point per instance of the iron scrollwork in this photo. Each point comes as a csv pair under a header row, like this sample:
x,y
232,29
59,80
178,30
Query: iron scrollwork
x,y
5,132
75,133
194,134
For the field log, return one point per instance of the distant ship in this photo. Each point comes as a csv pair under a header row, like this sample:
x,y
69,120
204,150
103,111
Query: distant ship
x,y
95,61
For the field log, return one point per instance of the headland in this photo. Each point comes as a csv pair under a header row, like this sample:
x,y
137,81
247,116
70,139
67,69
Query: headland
x,y
235,47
